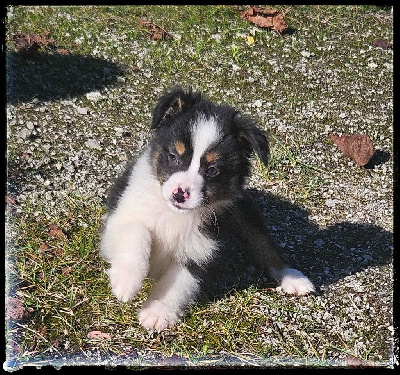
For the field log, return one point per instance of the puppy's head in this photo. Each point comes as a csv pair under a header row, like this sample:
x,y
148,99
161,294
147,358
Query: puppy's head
x,y
200,151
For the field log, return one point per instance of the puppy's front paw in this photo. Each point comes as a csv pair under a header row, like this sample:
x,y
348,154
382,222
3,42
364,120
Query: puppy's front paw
x,y
294,282
124,284
157,315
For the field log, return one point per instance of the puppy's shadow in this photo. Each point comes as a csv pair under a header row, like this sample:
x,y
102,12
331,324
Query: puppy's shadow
x,y
52,76
324,255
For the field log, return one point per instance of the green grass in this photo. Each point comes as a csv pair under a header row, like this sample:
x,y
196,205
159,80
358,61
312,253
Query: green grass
x,y
61,281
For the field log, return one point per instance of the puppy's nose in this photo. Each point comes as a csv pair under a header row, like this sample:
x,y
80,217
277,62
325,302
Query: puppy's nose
x,y
180,196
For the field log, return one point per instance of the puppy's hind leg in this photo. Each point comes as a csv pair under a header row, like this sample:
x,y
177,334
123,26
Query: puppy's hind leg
x,y
249,224
127,247
289,279
292,281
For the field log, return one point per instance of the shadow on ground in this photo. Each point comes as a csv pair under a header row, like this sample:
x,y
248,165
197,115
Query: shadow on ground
x,y
54,76
324,255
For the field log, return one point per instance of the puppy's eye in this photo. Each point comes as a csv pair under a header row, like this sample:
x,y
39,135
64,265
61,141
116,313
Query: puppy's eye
x,y
212,171
173,158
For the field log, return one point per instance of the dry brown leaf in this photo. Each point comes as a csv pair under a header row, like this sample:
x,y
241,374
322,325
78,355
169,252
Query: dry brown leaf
x,y
16,308
98,335
155,32
355,362
62,51
265,18
358,147
382,43
11,201
44,247
56,232
31,42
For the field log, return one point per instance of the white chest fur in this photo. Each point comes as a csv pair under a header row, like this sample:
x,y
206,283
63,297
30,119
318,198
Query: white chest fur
x,y
176,235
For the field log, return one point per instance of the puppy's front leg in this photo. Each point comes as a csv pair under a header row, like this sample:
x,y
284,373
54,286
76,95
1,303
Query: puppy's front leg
x,y
170,297
127,247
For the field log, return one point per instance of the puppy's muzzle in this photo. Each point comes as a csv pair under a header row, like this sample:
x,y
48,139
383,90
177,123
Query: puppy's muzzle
x,y
181,196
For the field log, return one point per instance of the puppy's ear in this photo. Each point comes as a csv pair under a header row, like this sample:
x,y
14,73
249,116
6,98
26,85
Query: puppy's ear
x,y
252,138
172,104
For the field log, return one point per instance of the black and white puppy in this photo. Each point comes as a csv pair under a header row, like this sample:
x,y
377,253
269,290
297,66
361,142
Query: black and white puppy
x,y
166,210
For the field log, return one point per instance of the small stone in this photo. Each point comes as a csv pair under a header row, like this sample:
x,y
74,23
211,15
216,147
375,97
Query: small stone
x,y
92,143
258,103
67,102
82,110
30,125
24,133
94,96
330,203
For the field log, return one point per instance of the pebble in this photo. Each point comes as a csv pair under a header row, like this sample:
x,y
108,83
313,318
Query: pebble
x,y
305,53
258,103
24,133
82,110
330,203
93,96
92,143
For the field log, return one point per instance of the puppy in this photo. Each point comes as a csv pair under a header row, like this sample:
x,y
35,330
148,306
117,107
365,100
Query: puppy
x,y
166,211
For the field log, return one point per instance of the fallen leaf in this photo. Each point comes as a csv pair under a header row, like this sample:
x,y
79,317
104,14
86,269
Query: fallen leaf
x,y
265,18
43,247
11,201
56,232
382,43
98,335
56,343
355,362
358,147
243,74
155,32
16,308
62,51
43,331
31,43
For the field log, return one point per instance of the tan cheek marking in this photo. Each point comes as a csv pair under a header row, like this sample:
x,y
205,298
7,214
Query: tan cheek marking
x,y
212,156
180,147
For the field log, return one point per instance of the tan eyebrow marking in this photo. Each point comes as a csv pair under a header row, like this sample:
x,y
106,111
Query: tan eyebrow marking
x,y
180,147
212,156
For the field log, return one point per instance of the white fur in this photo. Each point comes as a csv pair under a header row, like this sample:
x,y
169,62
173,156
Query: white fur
x,y
292,281
144,236
170,296
205,132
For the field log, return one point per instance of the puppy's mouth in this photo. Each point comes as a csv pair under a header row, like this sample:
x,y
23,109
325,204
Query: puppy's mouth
x,y
178,206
